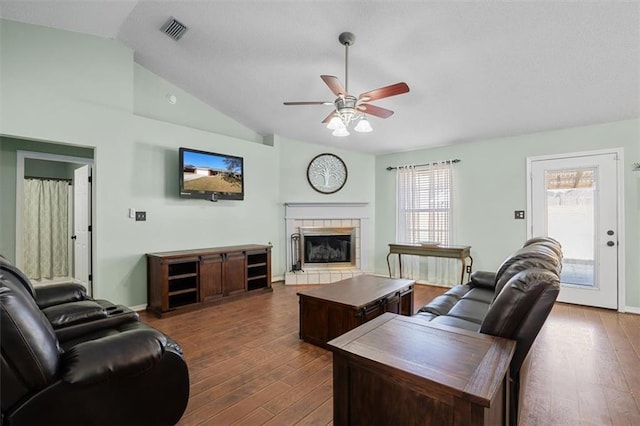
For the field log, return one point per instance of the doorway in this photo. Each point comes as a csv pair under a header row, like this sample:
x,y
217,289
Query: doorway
x,y
50,169
577,199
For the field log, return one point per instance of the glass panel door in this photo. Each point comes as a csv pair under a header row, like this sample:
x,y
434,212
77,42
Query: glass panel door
x,y
574,199
571,219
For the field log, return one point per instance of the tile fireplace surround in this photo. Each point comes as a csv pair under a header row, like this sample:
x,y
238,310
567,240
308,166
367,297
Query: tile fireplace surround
x,y
327,215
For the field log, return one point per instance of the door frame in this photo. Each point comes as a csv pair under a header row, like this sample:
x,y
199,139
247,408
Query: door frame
x,y
619,152
21,156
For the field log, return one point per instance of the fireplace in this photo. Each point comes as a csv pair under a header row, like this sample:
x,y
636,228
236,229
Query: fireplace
x,y
329,247
332,261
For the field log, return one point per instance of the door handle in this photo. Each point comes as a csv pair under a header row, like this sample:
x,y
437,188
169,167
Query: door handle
x,y
610,232
611,243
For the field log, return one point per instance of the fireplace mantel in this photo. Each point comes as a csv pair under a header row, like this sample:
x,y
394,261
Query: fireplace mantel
x,y
326,210
333,214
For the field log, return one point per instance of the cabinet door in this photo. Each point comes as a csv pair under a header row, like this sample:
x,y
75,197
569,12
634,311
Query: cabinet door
x,y
234,273
211,277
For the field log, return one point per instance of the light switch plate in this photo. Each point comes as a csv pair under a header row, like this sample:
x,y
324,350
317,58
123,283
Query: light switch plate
x,y
519,214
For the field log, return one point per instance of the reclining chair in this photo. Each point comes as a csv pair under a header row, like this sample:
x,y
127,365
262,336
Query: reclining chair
x,y
128,374
67,307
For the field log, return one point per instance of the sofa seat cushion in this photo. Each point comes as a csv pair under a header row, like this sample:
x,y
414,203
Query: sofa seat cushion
x,y
73,313
479,294
425,316
469,310
440,305
458,291
456,322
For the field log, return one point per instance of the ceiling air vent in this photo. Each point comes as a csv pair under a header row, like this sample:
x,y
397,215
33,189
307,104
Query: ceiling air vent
x,y
174,29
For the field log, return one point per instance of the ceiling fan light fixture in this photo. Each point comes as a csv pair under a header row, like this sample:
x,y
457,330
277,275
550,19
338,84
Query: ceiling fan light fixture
x,y
349,108
363,125
335,123
340,132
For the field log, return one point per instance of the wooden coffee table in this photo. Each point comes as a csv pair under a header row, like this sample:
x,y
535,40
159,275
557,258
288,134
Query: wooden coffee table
x,y
331,310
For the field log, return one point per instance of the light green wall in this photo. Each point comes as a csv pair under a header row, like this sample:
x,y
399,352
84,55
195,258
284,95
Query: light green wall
x,y
490,183
90,93
47,169
150,100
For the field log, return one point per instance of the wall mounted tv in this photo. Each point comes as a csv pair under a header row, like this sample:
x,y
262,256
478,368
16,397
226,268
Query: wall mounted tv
x,y
211,176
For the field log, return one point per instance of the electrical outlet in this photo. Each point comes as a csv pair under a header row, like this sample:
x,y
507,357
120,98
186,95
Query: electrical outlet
x,y
141,216
519,214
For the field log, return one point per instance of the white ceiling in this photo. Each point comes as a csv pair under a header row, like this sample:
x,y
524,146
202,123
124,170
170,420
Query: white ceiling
x,y
476,69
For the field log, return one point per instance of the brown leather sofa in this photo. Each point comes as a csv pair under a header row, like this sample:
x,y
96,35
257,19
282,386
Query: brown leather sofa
x,y
110,369
513,303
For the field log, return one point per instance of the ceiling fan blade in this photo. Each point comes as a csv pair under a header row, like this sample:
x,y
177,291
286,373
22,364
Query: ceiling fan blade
x,y
375,110
334,84
309,103
385,92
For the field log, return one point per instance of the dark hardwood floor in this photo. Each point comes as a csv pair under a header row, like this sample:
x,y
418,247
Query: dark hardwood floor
x,y
248,367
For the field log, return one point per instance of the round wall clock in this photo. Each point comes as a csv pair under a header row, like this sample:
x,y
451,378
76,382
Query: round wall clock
x,y
327,173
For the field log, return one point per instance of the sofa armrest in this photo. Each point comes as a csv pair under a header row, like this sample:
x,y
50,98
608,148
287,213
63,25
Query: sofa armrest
x,y
67,314
57,294
129,353
483,279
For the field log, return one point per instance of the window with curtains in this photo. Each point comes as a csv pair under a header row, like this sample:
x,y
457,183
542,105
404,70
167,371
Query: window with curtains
x,y
425,215
424,204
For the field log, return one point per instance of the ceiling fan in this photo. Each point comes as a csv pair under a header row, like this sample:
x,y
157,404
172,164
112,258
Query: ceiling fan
x,y
348,108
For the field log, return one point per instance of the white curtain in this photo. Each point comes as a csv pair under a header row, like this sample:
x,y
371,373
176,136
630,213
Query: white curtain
x,y
424,215
46,228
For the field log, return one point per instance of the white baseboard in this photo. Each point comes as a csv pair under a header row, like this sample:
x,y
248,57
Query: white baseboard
x,y
631,310
138,308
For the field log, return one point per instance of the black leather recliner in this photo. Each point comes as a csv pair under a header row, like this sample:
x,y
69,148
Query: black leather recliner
x,y
130,374
67,306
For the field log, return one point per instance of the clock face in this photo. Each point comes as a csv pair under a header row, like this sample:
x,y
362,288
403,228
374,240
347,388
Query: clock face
x,y
327,173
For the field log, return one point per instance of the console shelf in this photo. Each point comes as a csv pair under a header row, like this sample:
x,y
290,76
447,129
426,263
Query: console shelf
x,y
179,280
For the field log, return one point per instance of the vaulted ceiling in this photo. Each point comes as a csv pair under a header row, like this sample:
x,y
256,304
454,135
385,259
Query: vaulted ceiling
x,y
476,70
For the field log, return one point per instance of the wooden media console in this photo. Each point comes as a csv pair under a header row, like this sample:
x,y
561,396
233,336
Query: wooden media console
x,y
178,280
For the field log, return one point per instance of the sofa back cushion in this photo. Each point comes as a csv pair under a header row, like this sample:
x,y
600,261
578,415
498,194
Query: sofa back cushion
x,y
14,274
520,310
30,348
549,242
531,256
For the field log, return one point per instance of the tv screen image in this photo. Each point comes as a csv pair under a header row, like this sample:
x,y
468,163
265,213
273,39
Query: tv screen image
x,y
211,175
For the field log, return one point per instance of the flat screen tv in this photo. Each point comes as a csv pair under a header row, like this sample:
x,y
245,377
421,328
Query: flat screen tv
x,y
211,176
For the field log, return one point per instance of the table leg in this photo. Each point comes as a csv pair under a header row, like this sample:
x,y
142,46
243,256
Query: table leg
x,y
389,265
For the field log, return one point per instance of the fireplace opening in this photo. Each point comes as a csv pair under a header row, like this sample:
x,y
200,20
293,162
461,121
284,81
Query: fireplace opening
x,y
328,246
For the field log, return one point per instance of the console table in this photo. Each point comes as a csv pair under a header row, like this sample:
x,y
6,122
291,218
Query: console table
x,y
402,370
433,250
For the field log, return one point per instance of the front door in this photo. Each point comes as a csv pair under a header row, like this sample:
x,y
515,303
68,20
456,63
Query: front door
x,y
574,199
